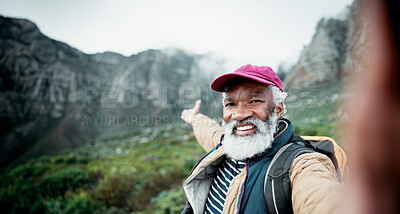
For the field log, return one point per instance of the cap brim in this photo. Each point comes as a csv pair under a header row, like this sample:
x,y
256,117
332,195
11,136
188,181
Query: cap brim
x,y
219,83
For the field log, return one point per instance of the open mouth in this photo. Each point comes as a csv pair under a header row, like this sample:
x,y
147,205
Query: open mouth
x,y
245,129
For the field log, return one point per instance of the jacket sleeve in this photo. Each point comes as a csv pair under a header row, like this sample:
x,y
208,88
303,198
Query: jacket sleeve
x,y
207,131
315,186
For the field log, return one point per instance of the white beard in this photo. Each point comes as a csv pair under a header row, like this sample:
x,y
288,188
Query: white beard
x,y
242,147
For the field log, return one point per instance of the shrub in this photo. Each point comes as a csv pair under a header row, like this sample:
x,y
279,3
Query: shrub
x,y
20,198
115,190
19,192
58,183
80,203
70,159
54,206
171,201
51,187
26,172
57,159
83,159
37,207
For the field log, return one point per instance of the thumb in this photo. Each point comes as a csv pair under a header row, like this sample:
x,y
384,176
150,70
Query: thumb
x,y
196,107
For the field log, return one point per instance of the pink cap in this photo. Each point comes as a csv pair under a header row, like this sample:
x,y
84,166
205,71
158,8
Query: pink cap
x,y
262,74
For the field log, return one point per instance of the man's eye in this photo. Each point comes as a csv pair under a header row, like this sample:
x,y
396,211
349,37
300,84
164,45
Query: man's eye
x,y
256,101
229,104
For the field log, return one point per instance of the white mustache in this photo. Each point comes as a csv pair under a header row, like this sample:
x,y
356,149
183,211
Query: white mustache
x,y
253,121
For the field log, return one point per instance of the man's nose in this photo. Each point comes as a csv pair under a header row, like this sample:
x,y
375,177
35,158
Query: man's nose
x,y
241,113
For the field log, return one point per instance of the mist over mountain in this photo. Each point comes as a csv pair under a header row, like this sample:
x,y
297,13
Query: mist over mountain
x,y
53,96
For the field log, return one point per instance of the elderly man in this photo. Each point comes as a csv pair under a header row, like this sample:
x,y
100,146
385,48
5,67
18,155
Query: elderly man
x,y
230,178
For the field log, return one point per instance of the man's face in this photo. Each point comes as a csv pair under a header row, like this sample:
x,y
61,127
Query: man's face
x,y
247,99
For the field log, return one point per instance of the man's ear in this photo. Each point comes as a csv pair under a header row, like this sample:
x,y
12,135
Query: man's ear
x,y
279,109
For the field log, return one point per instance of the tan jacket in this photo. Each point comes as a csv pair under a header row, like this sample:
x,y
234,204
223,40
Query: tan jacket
x,y
315,187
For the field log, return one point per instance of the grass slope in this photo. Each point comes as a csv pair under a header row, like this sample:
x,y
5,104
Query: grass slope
x,y
136,172
313,110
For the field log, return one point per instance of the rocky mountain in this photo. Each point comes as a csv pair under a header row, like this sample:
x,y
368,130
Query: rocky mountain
x,y
53,96
316,80
327,58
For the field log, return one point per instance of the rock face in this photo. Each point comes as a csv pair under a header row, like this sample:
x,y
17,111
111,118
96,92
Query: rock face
x,y
53,96
327,57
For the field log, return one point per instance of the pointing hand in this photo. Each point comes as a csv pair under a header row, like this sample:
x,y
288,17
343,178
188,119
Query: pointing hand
x,y
188,114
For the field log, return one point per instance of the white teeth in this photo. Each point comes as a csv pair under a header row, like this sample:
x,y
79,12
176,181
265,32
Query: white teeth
x,y
242,128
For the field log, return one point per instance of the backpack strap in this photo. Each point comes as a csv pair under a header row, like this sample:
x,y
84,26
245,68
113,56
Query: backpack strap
x,y
277,189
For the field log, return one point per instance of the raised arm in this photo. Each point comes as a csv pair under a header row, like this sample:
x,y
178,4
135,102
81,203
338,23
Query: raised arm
x,y
207,131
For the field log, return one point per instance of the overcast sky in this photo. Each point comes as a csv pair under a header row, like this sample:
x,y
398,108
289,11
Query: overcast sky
x,y
261,32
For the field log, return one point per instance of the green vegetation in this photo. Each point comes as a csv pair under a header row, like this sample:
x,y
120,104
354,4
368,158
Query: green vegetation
x,y
138,172
312,110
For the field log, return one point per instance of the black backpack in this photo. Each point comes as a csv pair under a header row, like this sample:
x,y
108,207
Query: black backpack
x,y
277,189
